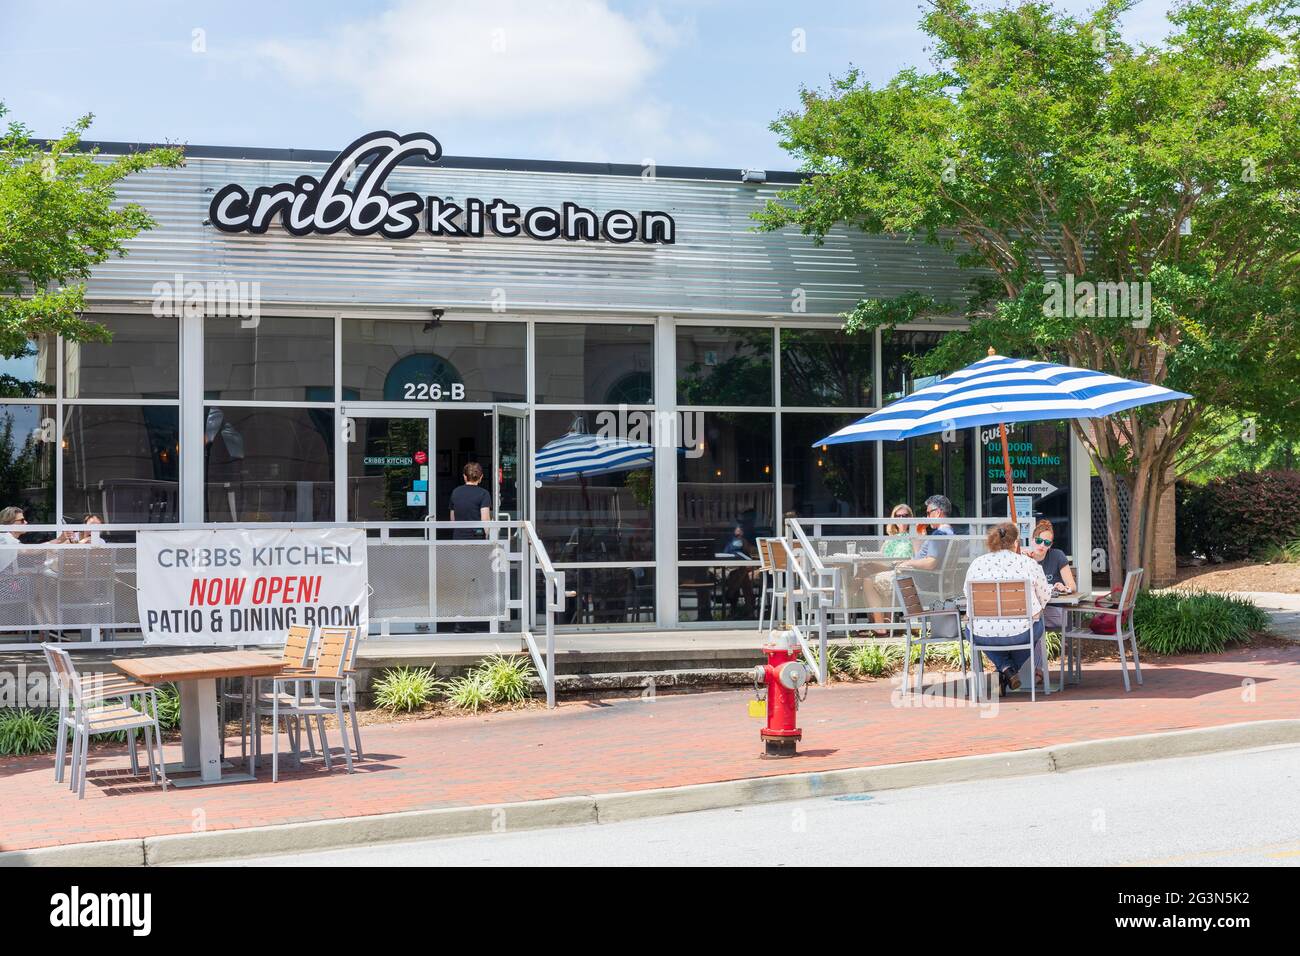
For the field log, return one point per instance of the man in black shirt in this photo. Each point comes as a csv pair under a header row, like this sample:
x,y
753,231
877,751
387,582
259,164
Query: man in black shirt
x,y
470,502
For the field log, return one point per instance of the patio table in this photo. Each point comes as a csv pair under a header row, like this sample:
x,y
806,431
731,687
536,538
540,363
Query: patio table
x,y
196,676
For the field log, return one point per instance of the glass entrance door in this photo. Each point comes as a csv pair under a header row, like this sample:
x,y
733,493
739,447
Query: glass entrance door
x,y
511,462
388,467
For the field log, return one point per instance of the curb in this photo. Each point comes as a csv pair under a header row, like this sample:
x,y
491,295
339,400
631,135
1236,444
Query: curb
x,y
630,805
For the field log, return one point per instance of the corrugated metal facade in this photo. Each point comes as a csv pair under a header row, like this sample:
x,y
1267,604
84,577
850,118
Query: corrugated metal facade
x,y
718,265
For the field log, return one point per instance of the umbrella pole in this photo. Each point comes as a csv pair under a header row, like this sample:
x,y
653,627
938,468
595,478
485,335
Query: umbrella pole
x,y
1006,470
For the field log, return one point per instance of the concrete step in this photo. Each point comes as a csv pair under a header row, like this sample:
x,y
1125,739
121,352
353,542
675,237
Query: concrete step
x,y
657,679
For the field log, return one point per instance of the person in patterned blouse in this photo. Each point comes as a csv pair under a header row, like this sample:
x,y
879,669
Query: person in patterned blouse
x,y
1004,562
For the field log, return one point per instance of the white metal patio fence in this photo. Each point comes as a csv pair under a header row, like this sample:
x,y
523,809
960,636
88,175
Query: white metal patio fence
x,y
843,571
419,578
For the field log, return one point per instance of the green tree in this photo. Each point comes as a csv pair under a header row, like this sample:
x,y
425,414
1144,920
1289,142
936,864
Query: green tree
x,y
58,219
1042,146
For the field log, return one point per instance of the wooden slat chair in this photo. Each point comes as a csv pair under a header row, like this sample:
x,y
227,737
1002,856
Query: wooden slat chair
x,y
767,583
294,658
95,689
288,698
778,570
1077,629
97,715
348,688
916,613
1001,601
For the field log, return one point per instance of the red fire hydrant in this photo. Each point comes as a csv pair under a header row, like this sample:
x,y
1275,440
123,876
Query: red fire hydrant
x,y
783,676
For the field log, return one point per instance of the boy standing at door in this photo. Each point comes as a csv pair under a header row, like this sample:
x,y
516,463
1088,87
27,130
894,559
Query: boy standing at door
x,y
471,502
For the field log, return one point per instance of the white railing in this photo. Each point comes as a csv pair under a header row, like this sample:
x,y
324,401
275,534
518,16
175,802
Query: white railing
x,y
417,580
850,553
804,602
553,601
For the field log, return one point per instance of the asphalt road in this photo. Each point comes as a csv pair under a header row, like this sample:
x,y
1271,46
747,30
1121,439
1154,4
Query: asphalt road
x,y
1231,808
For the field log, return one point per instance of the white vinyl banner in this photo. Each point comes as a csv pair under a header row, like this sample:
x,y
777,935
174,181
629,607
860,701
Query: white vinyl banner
x,y
247,586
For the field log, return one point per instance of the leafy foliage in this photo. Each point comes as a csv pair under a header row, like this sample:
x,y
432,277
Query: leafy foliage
x,y
58,219
26,731
1042,145
1194,622
873,659
404,689
467,693
1243,516
506,679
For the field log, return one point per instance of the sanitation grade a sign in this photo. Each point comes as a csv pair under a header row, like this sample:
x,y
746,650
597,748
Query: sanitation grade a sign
x,y
248,586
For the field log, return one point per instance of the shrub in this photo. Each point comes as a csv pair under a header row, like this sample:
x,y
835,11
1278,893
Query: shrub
x,y
1288,553
505,680
1242,516
467,693
404,689
872,659
1194,622
25,731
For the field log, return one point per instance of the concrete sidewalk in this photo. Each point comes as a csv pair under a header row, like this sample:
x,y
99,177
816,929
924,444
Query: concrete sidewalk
x,y
595,747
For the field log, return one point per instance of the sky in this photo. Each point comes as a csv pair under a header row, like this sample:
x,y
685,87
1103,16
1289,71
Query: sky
x,y
668,82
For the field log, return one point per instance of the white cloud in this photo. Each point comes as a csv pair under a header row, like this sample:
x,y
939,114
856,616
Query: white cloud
x,y
419,60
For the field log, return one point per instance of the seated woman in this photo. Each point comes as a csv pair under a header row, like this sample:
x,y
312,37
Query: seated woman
x,y
1056,568
1004,562
877,578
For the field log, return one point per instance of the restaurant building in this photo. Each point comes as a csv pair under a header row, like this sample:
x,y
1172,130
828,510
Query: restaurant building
x,y
280,353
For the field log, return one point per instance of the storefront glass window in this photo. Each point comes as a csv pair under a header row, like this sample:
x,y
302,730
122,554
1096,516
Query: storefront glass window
x,y
728,485
896,346
721,367
268,464
141,362
613,595
825,481
1040,470
594,364
597,516
446,361
32,374
278,360
121,462
826,367
919,467
27,443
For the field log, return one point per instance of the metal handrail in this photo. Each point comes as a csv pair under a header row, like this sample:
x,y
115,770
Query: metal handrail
x,y
817,663
554,600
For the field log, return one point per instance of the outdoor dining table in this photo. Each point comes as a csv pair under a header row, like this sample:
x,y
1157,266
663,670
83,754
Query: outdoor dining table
x,y
196,676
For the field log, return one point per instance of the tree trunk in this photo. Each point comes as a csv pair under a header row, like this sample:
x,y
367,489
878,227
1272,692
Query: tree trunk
x,y
1114,541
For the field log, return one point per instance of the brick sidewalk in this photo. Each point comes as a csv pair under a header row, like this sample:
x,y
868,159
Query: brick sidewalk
x,y
599,747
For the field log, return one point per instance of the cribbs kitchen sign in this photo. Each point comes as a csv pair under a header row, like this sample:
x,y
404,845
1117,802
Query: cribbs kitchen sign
x,y
327,205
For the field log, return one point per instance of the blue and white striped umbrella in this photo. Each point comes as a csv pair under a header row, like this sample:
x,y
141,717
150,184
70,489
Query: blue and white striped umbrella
x,y
580,455
998,390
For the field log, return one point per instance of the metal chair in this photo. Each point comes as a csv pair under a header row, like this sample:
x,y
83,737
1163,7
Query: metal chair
x,y
1001,601
348,688
1124,630
295,657
915,613
95,689
774,568
288,701
89,715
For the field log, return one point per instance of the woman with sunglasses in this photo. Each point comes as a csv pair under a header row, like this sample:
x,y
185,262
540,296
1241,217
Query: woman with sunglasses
x,y
876,579
1056,568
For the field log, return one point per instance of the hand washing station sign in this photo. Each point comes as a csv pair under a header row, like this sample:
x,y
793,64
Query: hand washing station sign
x,y
327,205
249,586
